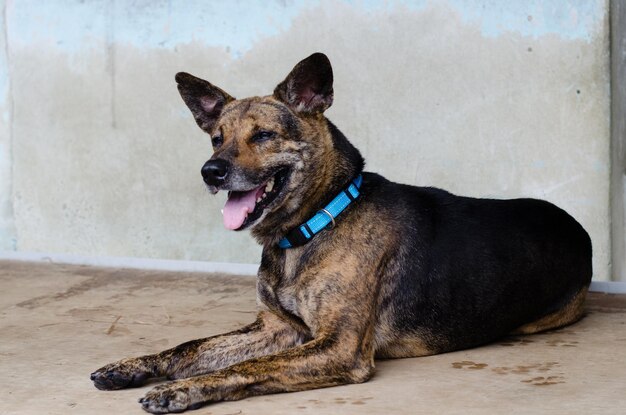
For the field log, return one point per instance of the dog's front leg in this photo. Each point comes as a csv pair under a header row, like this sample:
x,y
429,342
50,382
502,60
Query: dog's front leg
x,y
336,358
317,364
268,334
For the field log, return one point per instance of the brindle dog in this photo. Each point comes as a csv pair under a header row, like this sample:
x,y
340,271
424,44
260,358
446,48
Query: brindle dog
x,y
406,271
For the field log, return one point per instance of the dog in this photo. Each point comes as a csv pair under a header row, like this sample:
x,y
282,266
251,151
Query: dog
x,y
354,267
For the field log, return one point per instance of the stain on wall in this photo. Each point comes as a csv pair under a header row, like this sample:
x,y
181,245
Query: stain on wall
x,y
483,98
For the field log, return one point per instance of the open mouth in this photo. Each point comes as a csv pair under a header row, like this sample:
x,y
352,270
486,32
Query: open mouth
x,y
243,208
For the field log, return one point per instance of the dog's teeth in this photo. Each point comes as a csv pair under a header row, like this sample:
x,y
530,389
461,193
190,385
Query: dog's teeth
x,y
259,199
270,185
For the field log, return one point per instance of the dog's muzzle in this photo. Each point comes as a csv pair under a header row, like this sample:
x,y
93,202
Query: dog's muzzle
x,y
215,172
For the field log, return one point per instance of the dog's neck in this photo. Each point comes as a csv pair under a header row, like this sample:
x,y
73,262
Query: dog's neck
x,y
340,166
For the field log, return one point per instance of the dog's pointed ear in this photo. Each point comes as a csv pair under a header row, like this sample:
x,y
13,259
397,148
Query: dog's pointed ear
x,y
205,101
309,86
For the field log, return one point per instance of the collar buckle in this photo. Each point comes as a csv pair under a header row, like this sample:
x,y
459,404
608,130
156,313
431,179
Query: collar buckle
x,y
332,219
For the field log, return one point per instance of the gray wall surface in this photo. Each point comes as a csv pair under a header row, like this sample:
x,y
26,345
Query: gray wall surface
x,y
618,139
99,156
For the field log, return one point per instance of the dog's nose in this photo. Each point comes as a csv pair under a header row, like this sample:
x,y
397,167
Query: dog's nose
x,y
214,172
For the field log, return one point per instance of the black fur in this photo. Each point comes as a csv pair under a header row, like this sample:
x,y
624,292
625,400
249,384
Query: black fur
x,y
471,270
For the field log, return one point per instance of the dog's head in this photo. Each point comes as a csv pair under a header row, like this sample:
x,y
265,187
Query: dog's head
x,y
271,153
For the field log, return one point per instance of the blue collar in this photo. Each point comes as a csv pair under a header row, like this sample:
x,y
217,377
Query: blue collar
x,y
302,234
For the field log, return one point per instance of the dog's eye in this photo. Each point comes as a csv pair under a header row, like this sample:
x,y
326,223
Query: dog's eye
x,y
263,136
217,140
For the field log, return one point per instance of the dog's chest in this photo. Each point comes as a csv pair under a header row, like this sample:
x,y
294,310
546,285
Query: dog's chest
x,y
297,300
291,290
287,299
287,291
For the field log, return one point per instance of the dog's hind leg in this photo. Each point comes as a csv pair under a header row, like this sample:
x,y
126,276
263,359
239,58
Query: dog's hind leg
x,y
570,313
268,334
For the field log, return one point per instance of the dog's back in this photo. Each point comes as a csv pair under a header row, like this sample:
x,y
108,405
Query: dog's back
x,y
467,271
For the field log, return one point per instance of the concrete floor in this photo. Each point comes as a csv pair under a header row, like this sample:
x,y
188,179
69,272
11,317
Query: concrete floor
x,y
58,323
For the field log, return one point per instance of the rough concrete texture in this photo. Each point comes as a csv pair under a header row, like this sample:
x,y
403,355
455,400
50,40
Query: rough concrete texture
x,y
58,323
618,139
506,100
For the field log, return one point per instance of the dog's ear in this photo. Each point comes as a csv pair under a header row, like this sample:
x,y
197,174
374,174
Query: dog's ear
x,y
205,101
309,86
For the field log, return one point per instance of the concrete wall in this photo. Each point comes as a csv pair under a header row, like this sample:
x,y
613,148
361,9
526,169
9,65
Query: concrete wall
x,y
99,156
7,224
618,139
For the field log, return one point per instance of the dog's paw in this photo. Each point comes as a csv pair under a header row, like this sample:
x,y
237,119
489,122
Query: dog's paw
x,y
123,374
168,398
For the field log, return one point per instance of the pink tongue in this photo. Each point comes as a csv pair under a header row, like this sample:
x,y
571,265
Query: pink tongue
x,y
237,207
